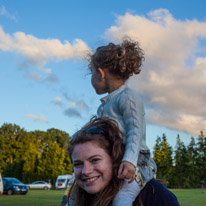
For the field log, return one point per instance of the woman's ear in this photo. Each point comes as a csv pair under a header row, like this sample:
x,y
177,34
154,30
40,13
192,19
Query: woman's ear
x,y
102,73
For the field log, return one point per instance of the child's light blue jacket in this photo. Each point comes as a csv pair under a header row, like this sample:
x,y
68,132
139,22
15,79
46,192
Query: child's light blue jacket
x,y
124,106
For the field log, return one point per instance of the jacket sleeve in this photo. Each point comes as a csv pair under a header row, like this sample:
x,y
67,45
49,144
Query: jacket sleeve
x,y
132,111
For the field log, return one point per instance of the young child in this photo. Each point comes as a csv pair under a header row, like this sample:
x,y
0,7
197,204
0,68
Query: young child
x,y
111,66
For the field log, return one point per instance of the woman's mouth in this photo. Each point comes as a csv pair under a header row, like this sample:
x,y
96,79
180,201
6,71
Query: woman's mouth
x,y
90,180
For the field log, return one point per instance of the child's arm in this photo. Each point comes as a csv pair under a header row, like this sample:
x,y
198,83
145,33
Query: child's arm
x,y
132,112
126,171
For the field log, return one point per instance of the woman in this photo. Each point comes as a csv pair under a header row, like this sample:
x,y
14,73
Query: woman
x,y
96,152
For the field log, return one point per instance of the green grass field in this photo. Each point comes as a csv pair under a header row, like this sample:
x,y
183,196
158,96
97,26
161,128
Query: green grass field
x,y
33,198
189,197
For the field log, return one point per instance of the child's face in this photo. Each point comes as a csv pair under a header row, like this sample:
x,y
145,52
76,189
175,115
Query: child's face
x,y
98,82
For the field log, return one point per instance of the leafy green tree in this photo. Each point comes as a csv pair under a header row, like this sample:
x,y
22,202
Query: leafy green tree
x,y
53,162
62,138
33,155
12,149
163,157
31,158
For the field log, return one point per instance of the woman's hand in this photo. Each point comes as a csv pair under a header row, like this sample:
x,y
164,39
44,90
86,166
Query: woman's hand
x,y
126,171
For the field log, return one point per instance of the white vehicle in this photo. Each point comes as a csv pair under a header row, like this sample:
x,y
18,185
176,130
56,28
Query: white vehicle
x,y
1,185
62,181
39,185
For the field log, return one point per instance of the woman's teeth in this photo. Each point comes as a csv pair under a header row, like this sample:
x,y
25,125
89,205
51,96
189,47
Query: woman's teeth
x,y
91,179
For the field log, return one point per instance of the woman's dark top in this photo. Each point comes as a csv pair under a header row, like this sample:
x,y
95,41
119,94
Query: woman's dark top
x,y
156,194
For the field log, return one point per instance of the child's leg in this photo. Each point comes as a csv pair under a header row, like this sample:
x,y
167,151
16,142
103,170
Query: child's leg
x,y
127,194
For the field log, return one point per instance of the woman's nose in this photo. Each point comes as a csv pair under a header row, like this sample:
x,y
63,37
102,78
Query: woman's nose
x,y
87,169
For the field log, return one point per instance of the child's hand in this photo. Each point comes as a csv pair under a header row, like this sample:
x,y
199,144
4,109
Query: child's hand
x,y
126,171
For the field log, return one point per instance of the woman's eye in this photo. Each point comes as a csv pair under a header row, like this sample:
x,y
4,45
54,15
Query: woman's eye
x,y
95,160
77,164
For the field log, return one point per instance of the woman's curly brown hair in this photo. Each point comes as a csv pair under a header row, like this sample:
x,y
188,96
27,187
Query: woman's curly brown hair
x,y
122,60
111,142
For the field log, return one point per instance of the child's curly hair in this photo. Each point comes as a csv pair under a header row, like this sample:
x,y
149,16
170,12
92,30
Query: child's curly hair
x,y
122,60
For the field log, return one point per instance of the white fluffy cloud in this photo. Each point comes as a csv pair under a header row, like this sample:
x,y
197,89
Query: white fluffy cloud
x,y
37,52
41,50
173,79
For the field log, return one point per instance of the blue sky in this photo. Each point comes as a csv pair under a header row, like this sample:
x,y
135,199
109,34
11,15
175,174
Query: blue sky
x,y
44,80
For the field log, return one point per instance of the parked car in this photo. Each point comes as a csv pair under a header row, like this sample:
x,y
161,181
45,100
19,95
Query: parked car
x,y
39,185
62,181
13,186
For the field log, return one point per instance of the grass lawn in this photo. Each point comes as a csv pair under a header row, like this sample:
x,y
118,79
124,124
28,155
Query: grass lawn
x,y
190,197
33,198
186,197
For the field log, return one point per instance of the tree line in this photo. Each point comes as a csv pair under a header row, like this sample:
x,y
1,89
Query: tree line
x,y
43,155
36,155
184,166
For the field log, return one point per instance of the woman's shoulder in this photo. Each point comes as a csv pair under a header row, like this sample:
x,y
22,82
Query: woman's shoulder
x,y
156,194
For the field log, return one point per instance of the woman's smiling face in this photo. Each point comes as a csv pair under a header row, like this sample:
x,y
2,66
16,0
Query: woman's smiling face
x,y
92,167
